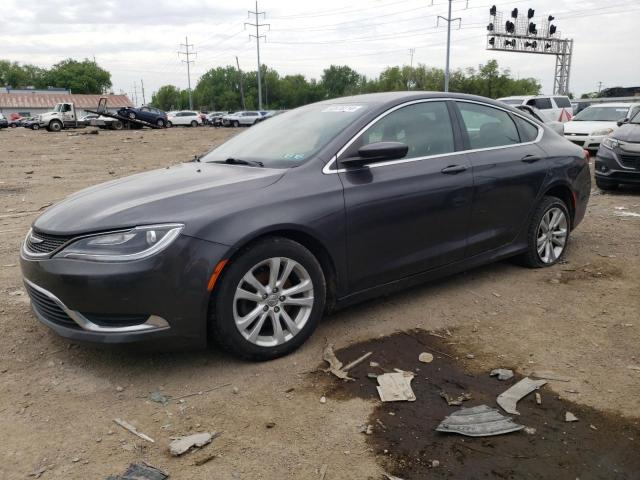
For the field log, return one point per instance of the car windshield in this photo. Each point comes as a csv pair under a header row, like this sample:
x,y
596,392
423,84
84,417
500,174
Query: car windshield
x,y
636,118
601,114
290,139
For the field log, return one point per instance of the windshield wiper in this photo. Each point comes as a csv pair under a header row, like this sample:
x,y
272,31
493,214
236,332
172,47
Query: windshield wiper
x,y
239,161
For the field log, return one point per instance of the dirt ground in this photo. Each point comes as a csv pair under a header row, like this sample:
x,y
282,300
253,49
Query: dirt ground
x,y
578,321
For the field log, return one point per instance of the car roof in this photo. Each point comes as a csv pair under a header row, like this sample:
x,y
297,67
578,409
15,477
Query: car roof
x,y
614,104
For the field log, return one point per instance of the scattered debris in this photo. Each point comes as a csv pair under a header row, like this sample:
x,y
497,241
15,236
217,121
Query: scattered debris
x,y
367,429
372,375
127,426
435,463
395,387
633,367
480,421
593,427
455,401
502,373
391,477
374,364
538,398
425,357
509,398
184,444
235,390
140,471
201,461
470,356
159,398
323,399
201,392
119,389
530,430
335,365
270,424
38,473
570,417
323,471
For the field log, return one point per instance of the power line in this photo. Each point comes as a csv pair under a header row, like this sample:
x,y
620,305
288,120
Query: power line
x,y
186,46
449,21
257,36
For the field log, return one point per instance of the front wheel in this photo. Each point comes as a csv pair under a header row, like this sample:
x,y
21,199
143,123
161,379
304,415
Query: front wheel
x,y
55,126
194,123
548,233
235,124
160,123
269,300
132,115
35,126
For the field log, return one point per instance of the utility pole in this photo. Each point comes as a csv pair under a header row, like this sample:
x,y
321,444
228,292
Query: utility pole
x,y
449,20
411,52
186,46
599,86
144,100
135,94
257,36
244,107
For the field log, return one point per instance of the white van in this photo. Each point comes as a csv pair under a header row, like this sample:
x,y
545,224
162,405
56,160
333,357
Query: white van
x,y
556,108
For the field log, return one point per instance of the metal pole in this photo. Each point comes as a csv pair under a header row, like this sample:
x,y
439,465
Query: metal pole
x,y
244,107
446,70
186,41
258,48
144,100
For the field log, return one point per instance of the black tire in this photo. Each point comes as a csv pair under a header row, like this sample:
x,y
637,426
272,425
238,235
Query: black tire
x,y
606,184
35,126
531,258
117,125
194,123
160,123
221,320
132,115
55,126
235,124
169,124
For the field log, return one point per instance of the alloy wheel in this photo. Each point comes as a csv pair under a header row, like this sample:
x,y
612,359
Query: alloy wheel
x,y
552,235
273,301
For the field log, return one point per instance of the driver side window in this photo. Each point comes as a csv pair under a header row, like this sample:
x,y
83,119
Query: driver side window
x,y
424,127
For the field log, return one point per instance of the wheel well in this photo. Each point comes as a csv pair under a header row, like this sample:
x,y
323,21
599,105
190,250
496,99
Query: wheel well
x,y
563,193
315,247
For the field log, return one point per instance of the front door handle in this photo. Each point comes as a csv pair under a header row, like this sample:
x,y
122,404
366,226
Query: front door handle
x,y
454,169
530,158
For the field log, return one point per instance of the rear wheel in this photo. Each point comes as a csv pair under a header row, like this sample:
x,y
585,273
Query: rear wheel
x,y
194,123
548,233
169,124
235,123
117,125
132,115
160,123
606,184
35,126
269,300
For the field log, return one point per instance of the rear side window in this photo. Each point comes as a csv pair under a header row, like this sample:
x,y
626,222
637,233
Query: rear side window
x,y
487,126
528,131
562,102
541,103
424,127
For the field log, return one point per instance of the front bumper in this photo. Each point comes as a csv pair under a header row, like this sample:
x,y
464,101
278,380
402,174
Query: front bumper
x,y
588,142
617,165
162,299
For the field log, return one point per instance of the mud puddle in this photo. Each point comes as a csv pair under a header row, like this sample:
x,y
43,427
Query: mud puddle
x,y
597,446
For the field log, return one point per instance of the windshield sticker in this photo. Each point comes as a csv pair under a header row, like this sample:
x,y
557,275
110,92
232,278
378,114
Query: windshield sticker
x,y
294,156
342,108
621,109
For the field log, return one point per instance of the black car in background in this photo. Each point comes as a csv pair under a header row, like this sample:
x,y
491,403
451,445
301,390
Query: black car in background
x,y
318,208
147,114
618,158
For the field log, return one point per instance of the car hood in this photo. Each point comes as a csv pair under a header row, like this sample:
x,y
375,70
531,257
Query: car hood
x,y
628,132
585,128
188,193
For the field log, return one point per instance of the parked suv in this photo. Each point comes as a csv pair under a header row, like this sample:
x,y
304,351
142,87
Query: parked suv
x,y
557,108
146,114
186,118
618,158
241,118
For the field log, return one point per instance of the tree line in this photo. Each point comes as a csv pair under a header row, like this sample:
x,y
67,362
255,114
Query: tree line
x,y
78,76
219,88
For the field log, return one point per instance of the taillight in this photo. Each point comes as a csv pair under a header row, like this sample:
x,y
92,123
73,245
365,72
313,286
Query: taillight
x,y
586,155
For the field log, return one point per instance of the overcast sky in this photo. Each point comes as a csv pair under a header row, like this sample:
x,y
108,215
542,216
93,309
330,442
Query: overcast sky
x,y
139,39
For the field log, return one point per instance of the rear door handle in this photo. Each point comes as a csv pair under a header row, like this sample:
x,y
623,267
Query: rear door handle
x,y
530,158
454,169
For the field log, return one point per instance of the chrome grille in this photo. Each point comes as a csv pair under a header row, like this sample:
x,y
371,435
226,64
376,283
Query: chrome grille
x,y
40,243
630,161
49,309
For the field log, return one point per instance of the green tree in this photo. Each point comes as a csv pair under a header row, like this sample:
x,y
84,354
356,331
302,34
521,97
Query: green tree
x,y
338,81
166,98
79,77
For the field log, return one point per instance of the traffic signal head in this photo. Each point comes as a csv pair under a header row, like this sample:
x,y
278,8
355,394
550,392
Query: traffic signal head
x,y
532,29
530,13
493,11
552,30
551,18
514,13
492,41
490,27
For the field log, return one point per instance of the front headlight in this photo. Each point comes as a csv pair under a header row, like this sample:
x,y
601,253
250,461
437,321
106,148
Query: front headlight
x,y
604,131
610,142
124,246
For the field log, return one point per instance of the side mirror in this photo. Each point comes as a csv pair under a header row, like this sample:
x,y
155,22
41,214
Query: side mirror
x,y
622,121
377,152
